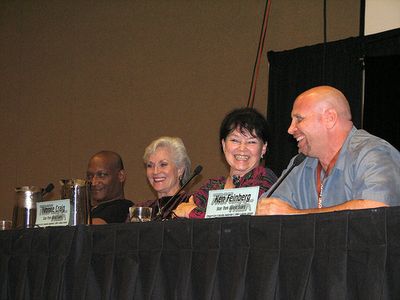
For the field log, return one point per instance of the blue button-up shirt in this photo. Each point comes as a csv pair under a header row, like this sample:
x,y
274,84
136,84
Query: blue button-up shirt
x,y
367,168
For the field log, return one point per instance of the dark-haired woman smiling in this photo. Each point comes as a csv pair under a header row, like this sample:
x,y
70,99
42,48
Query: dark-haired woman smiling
x,y
243,136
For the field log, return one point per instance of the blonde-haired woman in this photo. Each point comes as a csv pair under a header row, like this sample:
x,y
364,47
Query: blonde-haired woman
x,y
167,168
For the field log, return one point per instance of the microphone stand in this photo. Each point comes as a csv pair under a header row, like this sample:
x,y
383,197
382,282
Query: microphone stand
x,y
175,199
298,160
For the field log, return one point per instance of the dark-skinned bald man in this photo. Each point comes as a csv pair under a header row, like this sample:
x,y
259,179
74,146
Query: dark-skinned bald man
x,y
107,175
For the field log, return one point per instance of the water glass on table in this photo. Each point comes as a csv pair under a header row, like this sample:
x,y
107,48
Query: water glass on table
x,y
5,224
140,214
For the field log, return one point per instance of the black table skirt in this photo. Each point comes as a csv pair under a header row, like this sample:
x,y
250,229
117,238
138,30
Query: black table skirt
x,y
343,255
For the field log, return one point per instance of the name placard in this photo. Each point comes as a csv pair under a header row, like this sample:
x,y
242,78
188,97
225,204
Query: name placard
x,y
232,202
53,213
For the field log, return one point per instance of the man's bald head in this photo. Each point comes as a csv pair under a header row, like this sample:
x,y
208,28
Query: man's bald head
x,y
112,158
321,121
325,97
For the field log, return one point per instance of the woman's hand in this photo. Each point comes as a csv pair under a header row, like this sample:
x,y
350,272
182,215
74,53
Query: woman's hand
x,y
183,210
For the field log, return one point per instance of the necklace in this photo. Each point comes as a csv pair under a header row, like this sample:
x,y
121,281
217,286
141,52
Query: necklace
x,y
321,181
164,199
236,180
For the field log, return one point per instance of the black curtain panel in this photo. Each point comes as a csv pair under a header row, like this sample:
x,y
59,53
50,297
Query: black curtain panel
x,y
338,64
291,72
342,255
382,89
382,44
382,97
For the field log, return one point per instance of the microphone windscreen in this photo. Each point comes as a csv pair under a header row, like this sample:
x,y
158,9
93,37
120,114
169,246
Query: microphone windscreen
x,y
197,170
49,188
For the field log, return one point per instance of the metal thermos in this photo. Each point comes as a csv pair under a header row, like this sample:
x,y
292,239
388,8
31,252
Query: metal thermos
x,y
24,212
78,192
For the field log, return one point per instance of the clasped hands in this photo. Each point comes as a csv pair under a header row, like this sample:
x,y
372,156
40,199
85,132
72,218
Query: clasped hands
x,y
183,210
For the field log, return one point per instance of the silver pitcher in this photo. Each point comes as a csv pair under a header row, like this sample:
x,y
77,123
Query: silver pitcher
x,y
78,192
24,212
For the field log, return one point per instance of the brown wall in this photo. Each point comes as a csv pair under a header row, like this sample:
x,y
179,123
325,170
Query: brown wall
x,y
78,77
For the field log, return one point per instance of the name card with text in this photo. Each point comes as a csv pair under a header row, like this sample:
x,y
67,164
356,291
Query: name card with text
x,y
232,202
53,213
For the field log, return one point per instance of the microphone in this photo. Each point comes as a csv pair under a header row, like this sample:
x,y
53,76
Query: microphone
x,y
48,189
297,161
175,199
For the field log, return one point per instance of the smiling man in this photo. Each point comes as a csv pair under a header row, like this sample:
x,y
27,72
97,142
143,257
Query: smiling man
x,y
345,168
107,176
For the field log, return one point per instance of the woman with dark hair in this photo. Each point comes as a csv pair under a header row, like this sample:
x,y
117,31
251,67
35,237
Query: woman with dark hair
x,y
243,136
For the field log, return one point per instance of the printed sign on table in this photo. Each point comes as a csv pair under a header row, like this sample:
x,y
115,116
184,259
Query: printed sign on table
x,y
53,213
232,202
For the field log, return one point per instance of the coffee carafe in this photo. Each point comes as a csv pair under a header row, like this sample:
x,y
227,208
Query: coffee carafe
x,y
78,192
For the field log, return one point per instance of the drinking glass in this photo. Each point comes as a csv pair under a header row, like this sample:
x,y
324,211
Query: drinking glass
x,y
140,214
5,224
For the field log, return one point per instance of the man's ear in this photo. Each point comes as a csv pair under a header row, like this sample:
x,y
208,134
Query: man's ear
x,y
122,175
330,117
